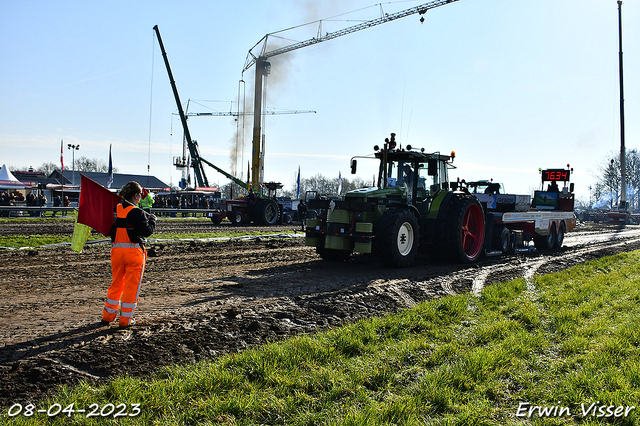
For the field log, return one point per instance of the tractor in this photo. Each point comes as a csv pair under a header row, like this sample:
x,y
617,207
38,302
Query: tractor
x,y
413,205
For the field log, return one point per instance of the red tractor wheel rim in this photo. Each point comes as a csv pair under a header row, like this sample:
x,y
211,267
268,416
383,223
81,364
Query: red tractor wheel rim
x,y
472,231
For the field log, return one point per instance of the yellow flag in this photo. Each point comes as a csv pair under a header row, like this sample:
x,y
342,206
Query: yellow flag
x,y
81,234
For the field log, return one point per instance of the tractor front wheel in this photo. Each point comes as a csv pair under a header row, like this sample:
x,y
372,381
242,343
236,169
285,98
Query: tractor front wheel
x,y
235,217
397,237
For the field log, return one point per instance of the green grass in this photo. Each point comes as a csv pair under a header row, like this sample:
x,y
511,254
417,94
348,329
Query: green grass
x,y
562,339
16,241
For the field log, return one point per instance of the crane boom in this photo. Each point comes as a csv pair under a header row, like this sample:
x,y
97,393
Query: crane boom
x,y
201,177
422,9
262,68
236,114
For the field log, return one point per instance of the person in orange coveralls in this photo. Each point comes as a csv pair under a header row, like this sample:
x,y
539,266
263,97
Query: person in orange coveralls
x,y
128,255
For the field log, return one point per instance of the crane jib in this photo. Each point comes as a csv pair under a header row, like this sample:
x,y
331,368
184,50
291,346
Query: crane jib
x,y
251,59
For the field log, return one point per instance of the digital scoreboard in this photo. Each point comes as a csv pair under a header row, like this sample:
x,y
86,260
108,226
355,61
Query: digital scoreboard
x,y
558,175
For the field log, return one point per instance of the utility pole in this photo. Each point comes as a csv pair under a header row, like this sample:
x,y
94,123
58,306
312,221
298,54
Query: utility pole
x,y
623,165
73,149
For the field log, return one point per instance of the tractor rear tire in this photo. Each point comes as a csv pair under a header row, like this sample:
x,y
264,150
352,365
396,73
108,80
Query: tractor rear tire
x,y
266,212
397,238
460,236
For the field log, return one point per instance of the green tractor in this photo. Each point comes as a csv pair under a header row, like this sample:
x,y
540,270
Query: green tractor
x,y
413,205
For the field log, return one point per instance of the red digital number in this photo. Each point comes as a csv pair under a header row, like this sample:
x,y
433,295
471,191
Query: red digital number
x,y
555,175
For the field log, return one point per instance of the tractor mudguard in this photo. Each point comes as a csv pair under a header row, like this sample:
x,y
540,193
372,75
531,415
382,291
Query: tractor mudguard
x,y
441,199
436,214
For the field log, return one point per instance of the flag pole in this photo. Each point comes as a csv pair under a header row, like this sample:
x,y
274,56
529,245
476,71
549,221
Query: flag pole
x,y
62,172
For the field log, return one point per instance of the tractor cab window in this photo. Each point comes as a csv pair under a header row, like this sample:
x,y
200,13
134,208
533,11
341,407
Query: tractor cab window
x,y
431,179
405,174
400,174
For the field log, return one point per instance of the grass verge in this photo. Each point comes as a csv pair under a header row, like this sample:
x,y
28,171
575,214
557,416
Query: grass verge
x,y
17,241
560,349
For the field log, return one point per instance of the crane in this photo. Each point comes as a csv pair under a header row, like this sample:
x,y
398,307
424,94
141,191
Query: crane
x,y
263,67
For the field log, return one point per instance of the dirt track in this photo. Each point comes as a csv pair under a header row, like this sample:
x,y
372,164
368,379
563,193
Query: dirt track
x,y
201,300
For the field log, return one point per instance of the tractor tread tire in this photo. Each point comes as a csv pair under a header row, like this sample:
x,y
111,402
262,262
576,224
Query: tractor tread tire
x,y
235,217
449,235
387,247
266,212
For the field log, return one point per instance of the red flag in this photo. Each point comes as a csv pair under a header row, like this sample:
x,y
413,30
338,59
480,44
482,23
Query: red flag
x,y
96,206
144,192
61,158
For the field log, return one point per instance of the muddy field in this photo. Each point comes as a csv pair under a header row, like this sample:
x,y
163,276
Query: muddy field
x,y
200,300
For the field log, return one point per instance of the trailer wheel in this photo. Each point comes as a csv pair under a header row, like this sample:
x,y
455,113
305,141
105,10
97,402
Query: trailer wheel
x,y
559,237
546,243
266,212
235,217
503,241
397,238
461,234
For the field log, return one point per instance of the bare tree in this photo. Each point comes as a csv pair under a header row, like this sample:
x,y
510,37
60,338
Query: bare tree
x,y
85,164
607,188
47,168
323,185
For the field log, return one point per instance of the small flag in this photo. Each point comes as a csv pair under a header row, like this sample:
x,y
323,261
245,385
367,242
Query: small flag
x,y
339,182
298,185
61,157
110,179
80,236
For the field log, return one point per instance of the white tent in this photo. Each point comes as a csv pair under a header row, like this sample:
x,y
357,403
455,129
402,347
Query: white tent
x,y
9,181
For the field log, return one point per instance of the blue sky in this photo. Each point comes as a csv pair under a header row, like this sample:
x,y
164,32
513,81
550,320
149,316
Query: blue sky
x,y
511,86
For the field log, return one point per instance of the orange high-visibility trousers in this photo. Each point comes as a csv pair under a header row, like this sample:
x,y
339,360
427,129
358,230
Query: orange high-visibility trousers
x,y
127,266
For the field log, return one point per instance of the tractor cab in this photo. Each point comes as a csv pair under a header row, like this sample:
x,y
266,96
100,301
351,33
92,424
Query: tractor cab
x,y
411,175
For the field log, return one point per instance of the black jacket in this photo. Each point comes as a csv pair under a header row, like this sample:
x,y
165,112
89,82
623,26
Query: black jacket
x,y
138,223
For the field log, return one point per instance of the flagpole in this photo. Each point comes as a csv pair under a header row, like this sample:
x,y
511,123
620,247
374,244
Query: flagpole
x,y
62,172
110,177
298,184
623,164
